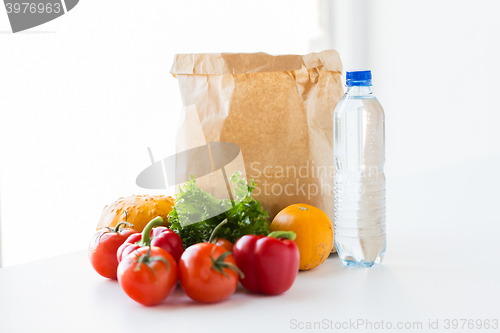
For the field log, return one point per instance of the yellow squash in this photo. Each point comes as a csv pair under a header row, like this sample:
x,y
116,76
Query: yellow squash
x,y
140,210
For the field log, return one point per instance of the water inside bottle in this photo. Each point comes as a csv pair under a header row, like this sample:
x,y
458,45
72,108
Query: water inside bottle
x,y
359,181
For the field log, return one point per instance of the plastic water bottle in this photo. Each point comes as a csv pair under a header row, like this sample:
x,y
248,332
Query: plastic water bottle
x,y
359,183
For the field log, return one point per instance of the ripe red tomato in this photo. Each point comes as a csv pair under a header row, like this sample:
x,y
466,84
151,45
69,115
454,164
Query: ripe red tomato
x,y
207,273
145,276
103,247
222,242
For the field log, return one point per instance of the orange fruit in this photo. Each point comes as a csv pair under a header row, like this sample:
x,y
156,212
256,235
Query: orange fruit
x,y
314,232
140,210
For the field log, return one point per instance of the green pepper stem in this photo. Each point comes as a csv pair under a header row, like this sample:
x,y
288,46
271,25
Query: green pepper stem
x,y
216,229
146,233
283,234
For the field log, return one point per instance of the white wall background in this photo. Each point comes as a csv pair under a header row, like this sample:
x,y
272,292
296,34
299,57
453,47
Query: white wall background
x,y
435,68
82,97
438,71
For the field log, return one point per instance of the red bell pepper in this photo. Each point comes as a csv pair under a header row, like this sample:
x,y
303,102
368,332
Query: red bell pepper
x,y
152,235
269,263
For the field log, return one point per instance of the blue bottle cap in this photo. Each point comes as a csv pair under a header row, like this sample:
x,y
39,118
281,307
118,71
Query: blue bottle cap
x,y
362,77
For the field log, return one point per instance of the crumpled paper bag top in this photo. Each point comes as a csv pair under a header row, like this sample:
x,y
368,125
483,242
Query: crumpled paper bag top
x,y
243,63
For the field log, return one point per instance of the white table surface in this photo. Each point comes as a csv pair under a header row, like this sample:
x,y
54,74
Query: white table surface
x,y
442,262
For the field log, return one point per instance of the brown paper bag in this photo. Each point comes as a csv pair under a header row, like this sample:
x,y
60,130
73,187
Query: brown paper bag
x,y
278,109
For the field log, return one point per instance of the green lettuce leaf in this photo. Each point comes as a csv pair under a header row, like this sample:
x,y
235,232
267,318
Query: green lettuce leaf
x,y
194,206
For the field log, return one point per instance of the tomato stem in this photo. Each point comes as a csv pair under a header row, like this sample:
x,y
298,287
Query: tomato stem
x,y
283,235
146,233
117,227
235,269
219,264
146,259
216,229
